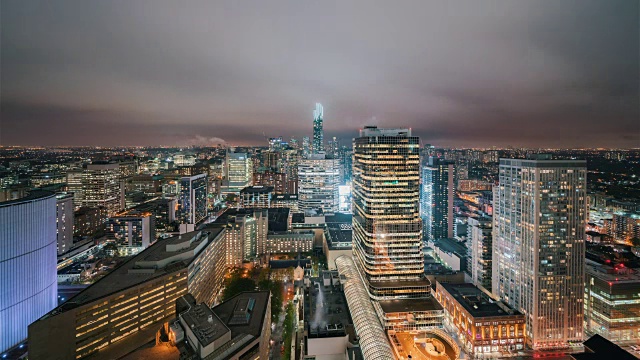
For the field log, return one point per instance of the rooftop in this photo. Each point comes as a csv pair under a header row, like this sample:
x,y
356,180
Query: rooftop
x,y
204,324
244,313
476,302
452,246
339,237
259,189
409,305
132,273
326,310
284,197
33,195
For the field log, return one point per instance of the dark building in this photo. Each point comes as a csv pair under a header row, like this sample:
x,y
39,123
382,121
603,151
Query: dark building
x,y
436,198
599,348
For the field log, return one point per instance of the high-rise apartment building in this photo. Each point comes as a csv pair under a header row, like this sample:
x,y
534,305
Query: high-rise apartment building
x,y
28,279
437,194
318,132
306,146
64,222
101,186
237,172
480,251
538,246
131,231
74,185
318,180
193,199
387,229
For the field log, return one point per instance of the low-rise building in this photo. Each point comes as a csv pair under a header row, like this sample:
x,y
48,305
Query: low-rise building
x,y
612,302
336,241
280,242
256,197
126,308
483,325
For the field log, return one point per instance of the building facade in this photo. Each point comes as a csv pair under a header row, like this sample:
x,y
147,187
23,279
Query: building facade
x,y
237,172
131,231
437,194
318,180
256,196
101,187
128,306
387,229
193,199
612,302
64,222
540,213
27,264
480,251
318,132
483,325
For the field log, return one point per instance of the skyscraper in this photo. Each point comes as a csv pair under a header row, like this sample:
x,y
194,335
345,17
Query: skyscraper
x,y
101,187
64,222
480,251
237,172
306,146
438,189
193,199
387,236
538,246
318,132
318,180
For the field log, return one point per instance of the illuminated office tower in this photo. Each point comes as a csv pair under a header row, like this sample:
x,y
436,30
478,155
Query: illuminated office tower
x,y
387,229
131,231
237,172
101,187
318,132
318,180
74,185
538,246
193,199
437,193
28,279
64,222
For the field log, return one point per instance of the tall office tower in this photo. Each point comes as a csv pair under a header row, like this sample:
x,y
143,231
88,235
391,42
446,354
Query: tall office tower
x,y
237,172
387,236
27,263
193,199
74,185
318,180
480,251
289,166
293,143
64,222
318,132
101,186
538,246
275,144
436,197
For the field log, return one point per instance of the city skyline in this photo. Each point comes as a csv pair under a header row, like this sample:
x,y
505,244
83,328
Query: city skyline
x,y
515,73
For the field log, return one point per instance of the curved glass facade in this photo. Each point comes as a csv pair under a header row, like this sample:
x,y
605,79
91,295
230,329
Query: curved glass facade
x,y
28,285
373,339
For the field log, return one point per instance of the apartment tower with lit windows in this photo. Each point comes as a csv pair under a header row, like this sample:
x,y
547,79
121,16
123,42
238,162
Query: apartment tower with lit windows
x,y
538,246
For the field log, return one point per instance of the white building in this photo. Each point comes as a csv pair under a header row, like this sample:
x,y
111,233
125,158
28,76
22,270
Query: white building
x,y
318,180
237,172
538,246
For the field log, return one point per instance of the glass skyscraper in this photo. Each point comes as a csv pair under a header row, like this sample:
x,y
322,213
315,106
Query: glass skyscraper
x,y
318,132
387,229
538,246
193,199
436,196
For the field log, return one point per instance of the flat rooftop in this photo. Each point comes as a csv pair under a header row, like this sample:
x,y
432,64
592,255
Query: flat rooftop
x,y
122,278
451,246
476,302
326,312
398,284
241,318
409,305
204,324
257,190
340,236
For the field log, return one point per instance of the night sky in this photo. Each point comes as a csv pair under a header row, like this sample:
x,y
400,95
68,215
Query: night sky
x,y
459,73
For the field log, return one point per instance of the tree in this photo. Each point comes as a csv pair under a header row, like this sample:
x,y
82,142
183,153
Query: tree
x,y
237,285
